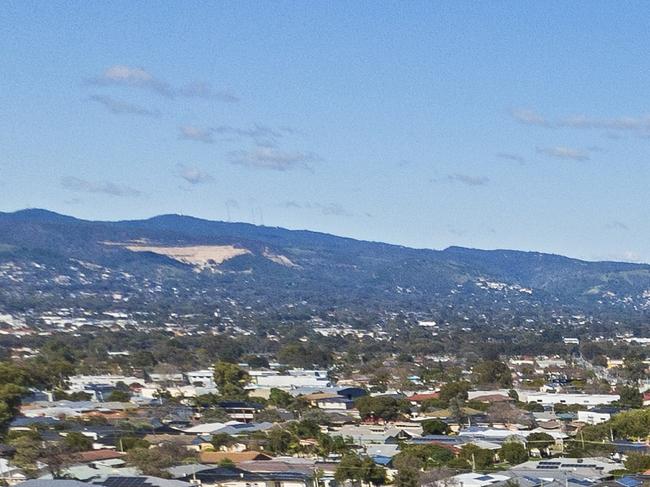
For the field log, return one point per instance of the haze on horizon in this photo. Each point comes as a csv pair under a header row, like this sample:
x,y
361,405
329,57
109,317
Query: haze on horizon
x,y
518,125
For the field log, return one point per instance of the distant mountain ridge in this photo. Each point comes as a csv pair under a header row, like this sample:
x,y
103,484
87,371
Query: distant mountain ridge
x,y
181,261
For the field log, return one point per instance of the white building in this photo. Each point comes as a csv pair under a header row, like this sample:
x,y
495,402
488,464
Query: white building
x,y
581,399
596,415
83,382
293,379
205,377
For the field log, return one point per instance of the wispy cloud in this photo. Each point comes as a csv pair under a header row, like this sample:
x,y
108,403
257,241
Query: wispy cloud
x,y
120,107
333,209
73,183
467,179
232,203
509,156
257,132
617,225
138,77
273,159
454,230
562,152
625,123
194,175
529,117
262,135
619,123
198,134
205,91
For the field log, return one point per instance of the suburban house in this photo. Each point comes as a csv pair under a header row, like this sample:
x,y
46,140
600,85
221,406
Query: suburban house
x,y
237,477
597,415
581,399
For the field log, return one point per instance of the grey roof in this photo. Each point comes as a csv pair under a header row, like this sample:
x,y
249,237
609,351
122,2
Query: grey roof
x,y
238,429
534,478
181,471
53,483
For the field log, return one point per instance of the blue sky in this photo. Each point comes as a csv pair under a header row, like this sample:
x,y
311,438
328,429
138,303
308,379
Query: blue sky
x,y
521,125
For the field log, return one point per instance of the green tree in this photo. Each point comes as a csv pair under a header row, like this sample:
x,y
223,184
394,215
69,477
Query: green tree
x,y
408,465
279,439
299,354
306,428
257,362
637,462
435,427
215,414
428,455
119,396
349,468
371,473
513,452
383,407
634,367
359,469
630,397
154,461
280,398
453,390
28,452
222,439
75,442
127,443
541,441
10,395
231,380
479,458
493,372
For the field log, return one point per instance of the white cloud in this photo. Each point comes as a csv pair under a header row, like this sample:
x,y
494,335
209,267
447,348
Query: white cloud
x,y
529,117
511,157
194,175
204,90
138,77
562,152
192,132
73,183
468,180
120,107
122,75
620,123
617,225
273,159
330,209
625,123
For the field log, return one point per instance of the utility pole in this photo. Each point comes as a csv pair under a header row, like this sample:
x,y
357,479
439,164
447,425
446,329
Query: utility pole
x,y
473,463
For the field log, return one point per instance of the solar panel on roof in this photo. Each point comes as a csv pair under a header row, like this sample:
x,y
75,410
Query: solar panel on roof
x,y
125,482
629,482
484,477
584,482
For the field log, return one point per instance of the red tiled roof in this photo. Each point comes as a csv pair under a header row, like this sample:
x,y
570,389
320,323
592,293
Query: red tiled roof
x,y
235,457
423,397
96,455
